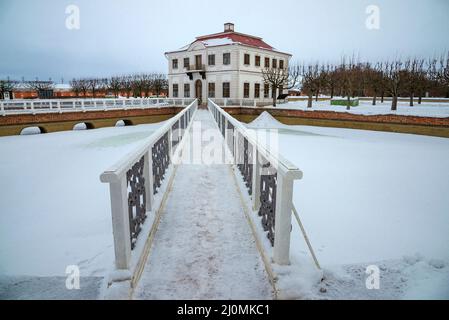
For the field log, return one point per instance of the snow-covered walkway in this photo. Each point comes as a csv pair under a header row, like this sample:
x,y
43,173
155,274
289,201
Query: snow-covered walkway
x,y
204,248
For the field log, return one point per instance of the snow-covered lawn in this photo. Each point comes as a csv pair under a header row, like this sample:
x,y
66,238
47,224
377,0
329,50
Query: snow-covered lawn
x,y
426,109
372,198
54,211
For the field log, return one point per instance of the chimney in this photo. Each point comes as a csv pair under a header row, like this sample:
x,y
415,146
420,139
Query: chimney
x,y
228,27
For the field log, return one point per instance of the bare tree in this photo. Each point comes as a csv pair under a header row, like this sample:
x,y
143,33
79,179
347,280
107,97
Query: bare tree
x,y
95,85
40,86
310,76
159,83
394,80
280,79
126,84
412,72
443,73
115,85
350,75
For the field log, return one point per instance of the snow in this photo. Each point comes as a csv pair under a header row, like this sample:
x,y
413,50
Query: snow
x,y
204,248
30,131
217,42
426,109
54,209
369,198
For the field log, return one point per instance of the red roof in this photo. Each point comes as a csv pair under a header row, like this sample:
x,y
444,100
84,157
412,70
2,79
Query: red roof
x,y
239,37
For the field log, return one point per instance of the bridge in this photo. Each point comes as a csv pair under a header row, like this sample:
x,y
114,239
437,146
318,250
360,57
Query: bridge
x,y
202,210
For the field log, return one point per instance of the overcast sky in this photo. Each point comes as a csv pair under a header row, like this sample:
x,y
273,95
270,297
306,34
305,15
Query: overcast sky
x,y
118,36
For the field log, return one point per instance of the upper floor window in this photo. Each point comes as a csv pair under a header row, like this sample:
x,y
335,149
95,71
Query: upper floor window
x,y
275,64
186,62
226,58
226,90
246,59
211,59
257,61
246,90
267,63
257,90
186,90
281,64
211,90
175,63
175,90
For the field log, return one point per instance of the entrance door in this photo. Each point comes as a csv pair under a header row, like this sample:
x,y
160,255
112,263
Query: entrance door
x,y
199,91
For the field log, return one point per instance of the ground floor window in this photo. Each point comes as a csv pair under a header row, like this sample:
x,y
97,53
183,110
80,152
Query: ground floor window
x,y
266,90
211,90
175,90
226,90
186,90
246,90
257,90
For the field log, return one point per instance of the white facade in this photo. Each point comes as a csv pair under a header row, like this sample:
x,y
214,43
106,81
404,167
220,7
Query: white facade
x,y
192,80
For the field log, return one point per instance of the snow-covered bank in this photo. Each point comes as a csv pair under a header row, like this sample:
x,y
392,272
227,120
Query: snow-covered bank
x,y
370,198
426,109
54,211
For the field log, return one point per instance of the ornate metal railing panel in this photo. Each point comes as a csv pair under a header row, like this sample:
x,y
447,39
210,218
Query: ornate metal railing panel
x,y
223,125
136,199
267,210
161,157
245,161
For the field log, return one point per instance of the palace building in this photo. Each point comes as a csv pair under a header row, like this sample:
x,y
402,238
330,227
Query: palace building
x,y
228,64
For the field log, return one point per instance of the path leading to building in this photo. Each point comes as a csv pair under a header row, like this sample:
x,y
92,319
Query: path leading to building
x,y
204,248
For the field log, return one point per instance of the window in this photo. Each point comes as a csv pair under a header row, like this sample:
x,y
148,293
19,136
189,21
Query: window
x,y
267,63
186,62
198,62
266,90
281,64
211,90
211,59
275,63
175,63
186,90
226,91
257,90
175,90
226,58
246,90
246,59
257,62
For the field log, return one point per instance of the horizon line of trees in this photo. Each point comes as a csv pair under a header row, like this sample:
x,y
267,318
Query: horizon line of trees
x,y
135,85
411,77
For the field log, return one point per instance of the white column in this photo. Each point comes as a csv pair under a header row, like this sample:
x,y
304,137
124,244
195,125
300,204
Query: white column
x,y
256,180
2,108
120,223
284,193
82,106
32,107
148,175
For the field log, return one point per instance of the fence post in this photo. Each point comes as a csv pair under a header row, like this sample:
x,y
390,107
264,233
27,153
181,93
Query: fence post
x,y
82,106
124,104
282,229
148,175
32,107
58,105
2,108
120,223
256,179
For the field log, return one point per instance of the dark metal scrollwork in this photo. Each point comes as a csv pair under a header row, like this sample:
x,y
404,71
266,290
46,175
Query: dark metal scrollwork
x,y
267,210
245,163
136,199
161,160
231,137
175,134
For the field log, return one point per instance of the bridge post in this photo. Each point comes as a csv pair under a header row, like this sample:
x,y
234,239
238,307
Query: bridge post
x,y
82,106
104,105
256,180
282,228
148,174
58,106
32,107
124,104
120,223
141,103
2,108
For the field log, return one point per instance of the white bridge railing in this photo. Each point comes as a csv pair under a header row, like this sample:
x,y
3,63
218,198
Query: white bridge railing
x,y
14,107
246,102
137,187
267,177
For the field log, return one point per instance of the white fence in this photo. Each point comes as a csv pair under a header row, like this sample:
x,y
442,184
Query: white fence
x,y
252,103
13,107
137,186
268,180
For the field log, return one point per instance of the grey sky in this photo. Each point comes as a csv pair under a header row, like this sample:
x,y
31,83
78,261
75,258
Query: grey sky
x,y
118,36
